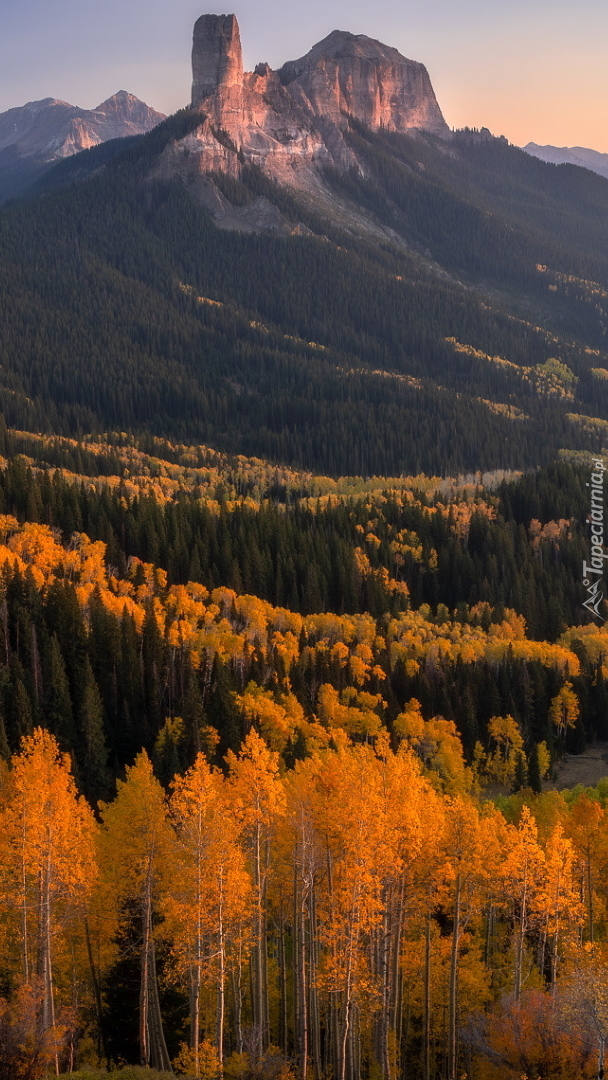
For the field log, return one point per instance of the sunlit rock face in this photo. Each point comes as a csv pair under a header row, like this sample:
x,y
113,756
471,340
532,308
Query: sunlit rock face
x,y
217,66
353,74
290,123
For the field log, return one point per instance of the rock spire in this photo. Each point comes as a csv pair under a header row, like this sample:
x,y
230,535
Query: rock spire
x,y
217,63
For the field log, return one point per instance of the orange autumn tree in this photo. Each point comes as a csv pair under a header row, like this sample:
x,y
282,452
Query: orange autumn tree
x,y
506,750
586,996
586,827
135,845
470,861
295,901
437,744
532,1037
354,850
47,863
209,904
367,807
564,710
420,957
256,799
409,810
558,906
521,876
348,815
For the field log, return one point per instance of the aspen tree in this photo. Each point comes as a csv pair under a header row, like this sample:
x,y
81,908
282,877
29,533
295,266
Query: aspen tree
x,y
135,845
406,801
257,802
48,865
587,996
209,900
521,876
506,749
361,857
469,866
422,878
564,710
586,828
306,863
558,903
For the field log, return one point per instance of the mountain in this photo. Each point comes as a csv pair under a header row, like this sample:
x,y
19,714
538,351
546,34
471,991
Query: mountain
x,y
570,155
345,291
291,123
37,134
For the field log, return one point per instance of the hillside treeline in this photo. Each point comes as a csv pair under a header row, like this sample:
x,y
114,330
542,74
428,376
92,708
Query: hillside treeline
x,y
115,619
125,307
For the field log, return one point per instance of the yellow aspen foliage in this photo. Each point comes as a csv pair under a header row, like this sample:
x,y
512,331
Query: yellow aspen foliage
x,y
257,804
351,811
277,720
558,904
521,878
586,827
544,759
470,847
586,995
200,1064
528,1037
47,865
209,908
437,744
564,710
353,711
135,847
506,749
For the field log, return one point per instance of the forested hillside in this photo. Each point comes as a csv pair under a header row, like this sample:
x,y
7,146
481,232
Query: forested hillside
x,y
168,589
413,330
303,690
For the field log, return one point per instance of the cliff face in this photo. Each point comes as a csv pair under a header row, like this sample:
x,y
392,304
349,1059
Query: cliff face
x,y
290,123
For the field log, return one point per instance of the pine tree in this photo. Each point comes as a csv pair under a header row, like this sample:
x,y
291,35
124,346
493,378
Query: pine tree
x,y
92,751
57,702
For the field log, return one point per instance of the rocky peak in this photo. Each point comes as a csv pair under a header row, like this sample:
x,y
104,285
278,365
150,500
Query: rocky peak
x,y
357,75
340,44
125,108
52,129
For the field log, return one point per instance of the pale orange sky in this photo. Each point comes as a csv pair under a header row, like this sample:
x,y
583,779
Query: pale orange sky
x,y
533,71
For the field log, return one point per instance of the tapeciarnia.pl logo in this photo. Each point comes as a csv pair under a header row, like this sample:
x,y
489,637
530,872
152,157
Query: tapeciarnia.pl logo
x,y
593,571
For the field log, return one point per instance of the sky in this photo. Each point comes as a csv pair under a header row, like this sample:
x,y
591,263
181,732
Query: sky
x,y
532,70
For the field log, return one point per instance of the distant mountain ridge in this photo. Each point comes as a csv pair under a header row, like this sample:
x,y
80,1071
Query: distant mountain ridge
x,y
35,135
570,155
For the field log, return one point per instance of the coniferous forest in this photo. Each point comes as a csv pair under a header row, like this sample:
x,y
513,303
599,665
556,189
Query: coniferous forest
x,y
292,636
